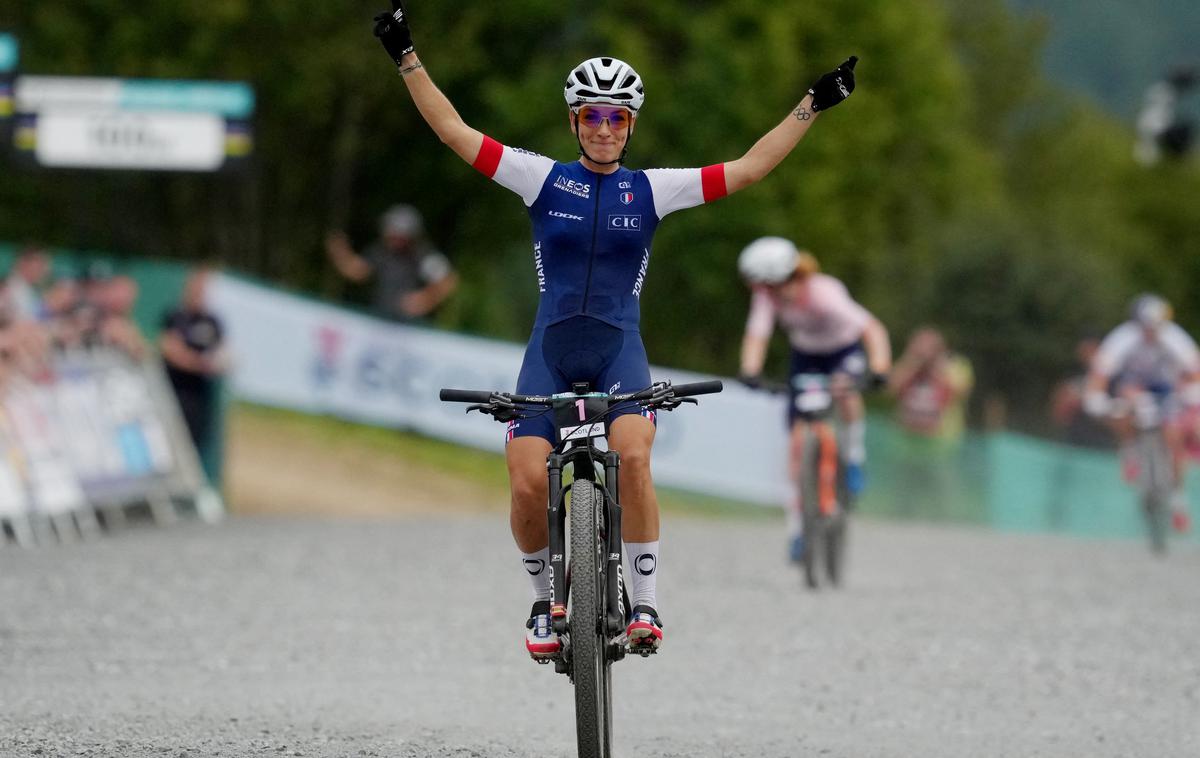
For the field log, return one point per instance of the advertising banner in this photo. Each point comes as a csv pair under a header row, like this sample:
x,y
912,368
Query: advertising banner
x,y
162,125
295,353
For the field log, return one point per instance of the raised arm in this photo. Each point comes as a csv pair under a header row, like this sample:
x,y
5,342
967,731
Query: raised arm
x,y
831,89
393,31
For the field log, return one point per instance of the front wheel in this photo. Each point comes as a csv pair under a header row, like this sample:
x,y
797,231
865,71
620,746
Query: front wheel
x,y
590,664
1156,489
811,521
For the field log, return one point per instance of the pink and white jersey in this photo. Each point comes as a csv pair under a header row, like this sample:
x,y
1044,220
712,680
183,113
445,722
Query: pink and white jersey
x,y
823,320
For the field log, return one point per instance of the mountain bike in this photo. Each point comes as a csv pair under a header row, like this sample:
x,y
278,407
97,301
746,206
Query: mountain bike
x,y
824,497
587,603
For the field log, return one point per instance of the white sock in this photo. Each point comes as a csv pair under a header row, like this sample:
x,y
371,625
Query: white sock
x,y
856,442
643,577
537,566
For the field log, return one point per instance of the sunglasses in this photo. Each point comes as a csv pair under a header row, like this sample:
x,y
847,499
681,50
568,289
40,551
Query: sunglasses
x,y
592,116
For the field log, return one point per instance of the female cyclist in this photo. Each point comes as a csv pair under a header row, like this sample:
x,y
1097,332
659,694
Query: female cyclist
x,y
828,332
593,222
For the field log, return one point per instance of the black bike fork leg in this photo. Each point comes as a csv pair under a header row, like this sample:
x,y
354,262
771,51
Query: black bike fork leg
x,y
558,567
612,500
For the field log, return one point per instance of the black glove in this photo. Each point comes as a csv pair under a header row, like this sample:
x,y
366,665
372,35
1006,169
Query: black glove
x,y
877,380
392,30
834,87
752,381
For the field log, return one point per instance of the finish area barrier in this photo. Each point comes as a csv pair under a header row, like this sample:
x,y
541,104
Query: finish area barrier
x,y
97,433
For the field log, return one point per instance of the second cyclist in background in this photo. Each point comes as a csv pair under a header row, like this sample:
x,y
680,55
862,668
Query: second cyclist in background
x,y
1148,354
829,334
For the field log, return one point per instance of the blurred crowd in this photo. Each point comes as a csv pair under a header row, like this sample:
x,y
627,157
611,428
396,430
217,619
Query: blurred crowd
x,y
41,312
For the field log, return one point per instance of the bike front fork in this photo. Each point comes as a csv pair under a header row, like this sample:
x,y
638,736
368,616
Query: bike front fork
x,y
615,620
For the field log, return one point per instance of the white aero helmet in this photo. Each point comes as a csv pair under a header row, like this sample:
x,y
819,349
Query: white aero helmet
x,y
1151,311
606,81
773,260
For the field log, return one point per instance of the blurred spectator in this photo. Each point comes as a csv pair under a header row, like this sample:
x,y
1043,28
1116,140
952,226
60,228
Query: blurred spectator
x,y
411,278
27,282
1075,426
931,385
193,347
1163,130
24,345
95,310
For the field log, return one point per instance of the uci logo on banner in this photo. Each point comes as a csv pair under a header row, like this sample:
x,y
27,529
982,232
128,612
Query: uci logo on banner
x,y
623,223
626,198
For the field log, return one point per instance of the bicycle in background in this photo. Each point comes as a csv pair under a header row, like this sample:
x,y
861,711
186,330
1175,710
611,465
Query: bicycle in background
x,y
1149,413
587,602
825,498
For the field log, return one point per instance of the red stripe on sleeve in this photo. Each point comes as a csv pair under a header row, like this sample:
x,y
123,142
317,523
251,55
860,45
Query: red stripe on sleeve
x,y
712,180
488,159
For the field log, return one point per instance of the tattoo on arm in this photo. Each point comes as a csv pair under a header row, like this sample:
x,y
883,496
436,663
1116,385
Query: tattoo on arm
x,y
801,113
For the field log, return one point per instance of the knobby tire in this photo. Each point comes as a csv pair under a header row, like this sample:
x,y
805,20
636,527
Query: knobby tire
x,y
589,659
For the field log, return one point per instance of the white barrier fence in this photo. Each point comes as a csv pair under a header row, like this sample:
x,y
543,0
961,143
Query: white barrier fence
x,y
100,432
295,353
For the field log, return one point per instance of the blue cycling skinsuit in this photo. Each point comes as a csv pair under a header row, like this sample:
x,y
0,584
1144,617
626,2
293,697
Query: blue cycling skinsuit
x,y
592,235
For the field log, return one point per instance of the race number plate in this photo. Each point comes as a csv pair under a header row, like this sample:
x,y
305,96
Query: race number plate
x,y
581,417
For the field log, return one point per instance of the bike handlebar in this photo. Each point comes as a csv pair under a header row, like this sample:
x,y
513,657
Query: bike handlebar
x,y
464,396
698,388
662,394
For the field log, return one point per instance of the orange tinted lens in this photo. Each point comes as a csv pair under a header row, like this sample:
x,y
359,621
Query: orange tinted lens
x,y
593,116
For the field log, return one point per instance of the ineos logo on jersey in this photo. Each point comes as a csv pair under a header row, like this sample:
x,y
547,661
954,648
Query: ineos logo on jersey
x,y
579,189
560,214
645,564
622,223
534,566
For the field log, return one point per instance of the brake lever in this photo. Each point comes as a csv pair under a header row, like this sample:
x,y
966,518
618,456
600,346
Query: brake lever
x,y
672,403
498,408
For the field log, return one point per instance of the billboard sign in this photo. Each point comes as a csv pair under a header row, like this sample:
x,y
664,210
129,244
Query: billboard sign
x,y
8,53
8,65
162,125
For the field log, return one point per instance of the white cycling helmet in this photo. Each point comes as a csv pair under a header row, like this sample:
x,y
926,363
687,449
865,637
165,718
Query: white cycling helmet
x,y
773,260
1151,311
606,81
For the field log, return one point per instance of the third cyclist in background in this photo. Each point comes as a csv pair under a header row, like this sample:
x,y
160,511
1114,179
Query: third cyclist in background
x,y
829,334
1151,354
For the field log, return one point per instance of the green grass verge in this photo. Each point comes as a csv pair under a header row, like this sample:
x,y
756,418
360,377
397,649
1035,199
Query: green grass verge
x,y
479,466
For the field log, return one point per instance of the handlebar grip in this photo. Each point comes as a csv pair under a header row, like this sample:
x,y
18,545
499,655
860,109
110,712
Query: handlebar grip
x,y
698,388
464,396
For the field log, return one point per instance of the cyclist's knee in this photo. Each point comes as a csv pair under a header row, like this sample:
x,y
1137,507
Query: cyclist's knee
x,y
526,459
632,437
635,458
528,493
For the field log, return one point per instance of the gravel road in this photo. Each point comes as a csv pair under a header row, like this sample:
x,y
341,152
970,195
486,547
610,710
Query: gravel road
x,y
293,637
